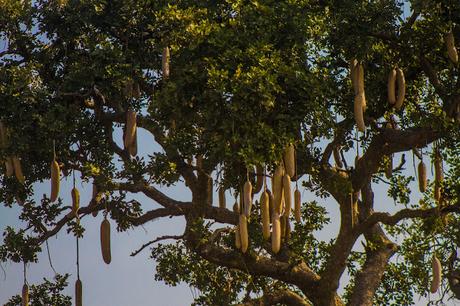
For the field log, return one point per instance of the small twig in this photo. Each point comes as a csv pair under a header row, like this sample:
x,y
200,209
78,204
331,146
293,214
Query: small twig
x,y
175,237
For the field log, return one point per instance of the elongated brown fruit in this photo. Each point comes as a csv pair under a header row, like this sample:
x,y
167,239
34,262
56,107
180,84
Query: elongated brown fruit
x,y
222,200
391,87
283,226
358,111
9,166
276,233
289,160
438,177
436,280
130,129
237,237
18,170
422,176
450,45
78,293
165,62
278,188
297,202
55,180
243,227
337,159
96,198
105,241
354,75
133,146
75,201
247,196
265,212
25,295
287,195
259,179
401,88
389,167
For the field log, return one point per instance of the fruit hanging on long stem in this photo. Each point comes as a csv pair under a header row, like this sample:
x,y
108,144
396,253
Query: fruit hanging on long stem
x,y
165,62
297,202
25,295
78,293
259,179
422,183
75,201
337,159
105,241
55,180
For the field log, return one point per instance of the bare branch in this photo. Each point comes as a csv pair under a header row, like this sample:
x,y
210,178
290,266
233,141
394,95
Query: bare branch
x,y
175,237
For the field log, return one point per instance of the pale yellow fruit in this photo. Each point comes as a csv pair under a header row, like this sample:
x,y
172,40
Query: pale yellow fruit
x,y
359,103
237,237
130,129
278,188
337,159
360,69
422,183
55,180
222,200
25,295
451,49
247,196
18,170
75,201
133,146
165,59
78,293
243,227
276,233
265,212
391,87
287,195
401,88
436,279
105,241
297,202
289,160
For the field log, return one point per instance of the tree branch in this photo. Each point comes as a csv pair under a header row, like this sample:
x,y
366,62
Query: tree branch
x,y
175,237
